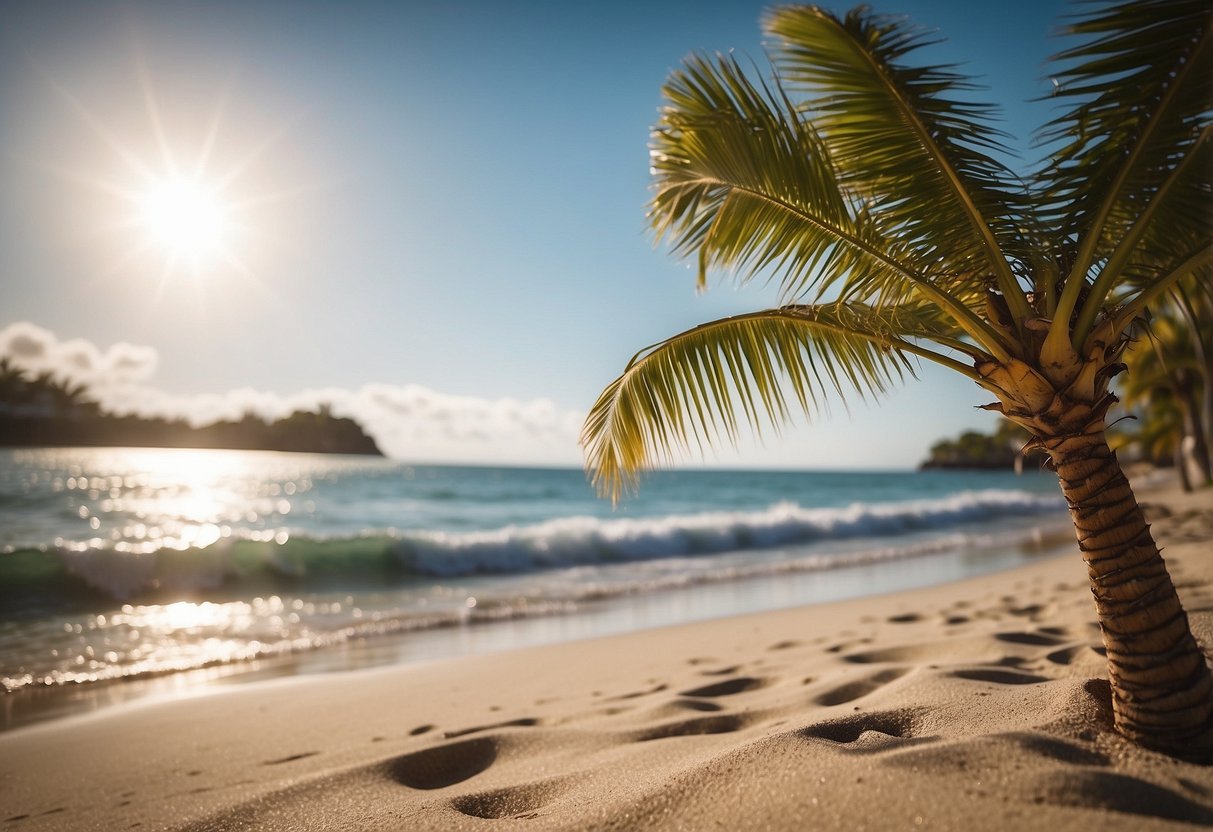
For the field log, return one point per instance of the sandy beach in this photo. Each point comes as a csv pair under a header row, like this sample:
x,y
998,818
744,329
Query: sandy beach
x,y
981,704
481,415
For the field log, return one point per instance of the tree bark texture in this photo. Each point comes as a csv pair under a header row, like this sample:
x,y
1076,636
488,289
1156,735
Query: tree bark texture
x,y
1162,691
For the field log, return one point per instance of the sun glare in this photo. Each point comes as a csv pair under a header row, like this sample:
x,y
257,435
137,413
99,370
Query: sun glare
x,y
184,217
184,194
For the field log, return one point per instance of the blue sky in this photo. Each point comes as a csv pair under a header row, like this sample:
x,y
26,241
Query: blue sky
x,y
440,198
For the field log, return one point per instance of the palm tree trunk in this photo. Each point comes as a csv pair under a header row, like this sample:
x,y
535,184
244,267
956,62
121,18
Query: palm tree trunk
x,y
1192,311
1181,465
1162,692
1185,397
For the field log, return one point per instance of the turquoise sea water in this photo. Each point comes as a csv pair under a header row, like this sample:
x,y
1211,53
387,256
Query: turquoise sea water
x,y
121,563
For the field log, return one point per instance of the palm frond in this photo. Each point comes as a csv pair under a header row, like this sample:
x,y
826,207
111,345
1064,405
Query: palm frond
x,y
701,384
904,138
1141,83
1178,218
1157,279
743,182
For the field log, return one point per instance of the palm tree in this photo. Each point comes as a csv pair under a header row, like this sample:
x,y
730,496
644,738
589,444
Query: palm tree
x,y
1158,436
68,396
1194,303
867,189
12,382
1166,372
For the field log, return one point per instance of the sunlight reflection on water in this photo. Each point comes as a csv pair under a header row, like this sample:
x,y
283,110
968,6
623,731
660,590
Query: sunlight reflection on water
x,y
176,499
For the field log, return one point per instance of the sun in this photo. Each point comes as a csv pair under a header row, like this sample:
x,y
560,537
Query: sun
x,y
185,218
185,196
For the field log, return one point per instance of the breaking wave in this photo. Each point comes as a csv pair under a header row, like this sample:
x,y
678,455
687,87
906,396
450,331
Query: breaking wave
x,y
46,577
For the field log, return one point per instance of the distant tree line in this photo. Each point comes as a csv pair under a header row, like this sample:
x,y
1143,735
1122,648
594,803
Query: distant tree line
x,y
975,450
43,410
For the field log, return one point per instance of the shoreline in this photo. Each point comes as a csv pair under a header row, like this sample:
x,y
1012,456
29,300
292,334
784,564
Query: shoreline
x,y
972,704
615,615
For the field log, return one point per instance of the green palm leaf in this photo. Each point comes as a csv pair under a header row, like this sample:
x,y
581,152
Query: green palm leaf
x,y
720,196
1141,83
904,138
701,383
1165,242
743,182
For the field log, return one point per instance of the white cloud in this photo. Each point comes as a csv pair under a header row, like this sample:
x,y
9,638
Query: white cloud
x,y
40,350
408,421
25,342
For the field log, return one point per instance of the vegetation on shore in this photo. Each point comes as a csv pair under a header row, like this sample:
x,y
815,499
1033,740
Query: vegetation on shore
x,y
999,451
1169,386
43,411
870,190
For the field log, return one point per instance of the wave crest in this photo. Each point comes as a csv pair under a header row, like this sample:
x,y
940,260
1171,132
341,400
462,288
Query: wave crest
x,y
379,559
580,541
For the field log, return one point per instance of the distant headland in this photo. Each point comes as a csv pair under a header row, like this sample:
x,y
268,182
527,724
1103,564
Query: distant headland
x,y
42,411
979,451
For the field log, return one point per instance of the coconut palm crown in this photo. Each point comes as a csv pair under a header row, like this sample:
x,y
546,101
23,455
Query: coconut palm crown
x,y
869,189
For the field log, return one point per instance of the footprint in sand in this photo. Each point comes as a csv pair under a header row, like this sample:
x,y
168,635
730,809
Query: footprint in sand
x,y
784,645
859,688
513,802
1041,638
976,650
847,645
692,705
904,653
728,687
868,733
717,724
999,677
443,765
666,710
1078,654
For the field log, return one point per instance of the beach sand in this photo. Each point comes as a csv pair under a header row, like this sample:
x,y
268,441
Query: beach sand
x,y
981,704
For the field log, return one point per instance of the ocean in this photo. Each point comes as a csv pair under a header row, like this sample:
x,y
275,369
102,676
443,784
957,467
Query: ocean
x,y
127,564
